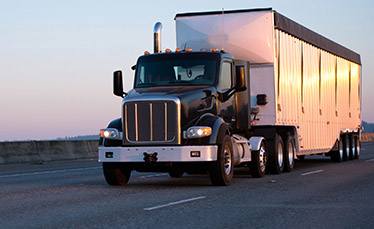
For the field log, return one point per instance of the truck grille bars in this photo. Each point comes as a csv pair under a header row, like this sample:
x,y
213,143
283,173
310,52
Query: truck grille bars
x,y
151,121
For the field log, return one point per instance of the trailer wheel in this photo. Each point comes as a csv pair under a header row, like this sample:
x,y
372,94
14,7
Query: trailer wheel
x,y
289,154
276,162
259,161
345,147
356,144
222,170
351,146
116,173
337,156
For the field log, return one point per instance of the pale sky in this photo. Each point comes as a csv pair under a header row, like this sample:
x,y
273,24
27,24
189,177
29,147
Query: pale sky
x,y
57,57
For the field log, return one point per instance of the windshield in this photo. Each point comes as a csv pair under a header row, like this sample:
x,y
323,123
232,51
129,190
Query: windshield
x,y
176,69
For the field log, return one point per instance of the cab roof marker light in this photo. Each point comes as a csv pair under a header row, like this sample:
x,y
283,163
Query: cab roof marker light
x,y
167,50
146,53
177,50
188,49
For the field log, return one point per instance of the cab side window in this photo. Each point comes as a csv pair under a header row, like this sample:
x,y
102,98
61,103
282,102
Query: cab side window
x,y
225,79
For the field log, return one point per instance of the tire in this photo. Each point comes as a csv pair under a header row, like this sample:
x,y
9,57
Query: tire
x,y
337,156
356,144
176,173
221,171
276,162
289,154
116,173
351,146
259,161
345,147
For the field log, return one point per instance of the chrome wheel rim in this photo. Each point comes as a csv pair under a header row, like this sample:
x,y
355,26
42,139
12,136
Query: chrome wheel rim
x,y
227,156
262,158
290,153
340,149
280,155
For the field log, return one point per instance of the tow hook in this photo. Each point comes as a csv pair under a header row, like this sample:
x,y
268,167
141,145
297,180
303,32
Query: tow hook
x,y
150,158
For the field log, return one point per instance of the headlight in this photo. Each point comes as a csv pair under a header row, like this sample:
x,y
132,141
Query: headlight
x,y
198,132
110,133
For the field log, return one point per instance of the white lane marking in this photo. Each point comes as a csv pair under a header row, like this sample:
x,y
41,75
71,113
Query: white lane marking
x,y
313,172
154,175
48,172
370,160
174,203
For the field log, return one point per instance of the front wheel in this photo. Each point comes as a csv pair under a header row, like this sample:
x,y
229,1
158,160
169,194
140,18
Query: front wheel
x,y
221,171
116,173
259,161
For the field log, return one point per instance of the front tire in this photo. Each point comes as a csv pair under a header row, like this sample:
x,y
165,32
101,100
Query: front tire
x,y
221,171
259,161
116,173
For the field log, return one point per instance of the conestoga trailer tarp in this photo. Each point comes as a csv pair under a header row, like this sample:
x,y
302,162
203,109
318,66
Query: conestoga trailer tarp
x,y
311,83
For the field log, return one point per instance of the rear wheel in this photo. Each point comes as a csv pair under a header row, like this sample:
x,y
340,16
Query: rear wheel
x,y
259,161
337,156
116,173
221,171
345,147
351,146
276,162
356,143
289,154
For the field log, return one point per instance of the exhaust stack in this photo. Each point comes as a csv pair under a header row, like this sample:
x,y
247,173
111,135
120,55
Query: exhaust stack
x,y
157,37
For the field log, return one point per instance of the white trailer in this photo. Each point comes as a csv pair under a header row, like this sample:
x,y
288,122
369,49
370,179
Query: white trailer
x,y
301,83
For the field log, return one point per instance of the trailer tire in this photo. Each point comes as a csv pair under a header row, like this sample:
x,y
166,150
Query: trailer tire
x,y
116,173
352,147
337,156
356,143
276,162
345,147
221,171
289,154
259,161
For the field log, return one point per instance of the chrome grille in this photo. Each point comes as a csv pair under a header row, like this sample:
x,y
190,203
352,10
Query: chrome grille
x,y
151,121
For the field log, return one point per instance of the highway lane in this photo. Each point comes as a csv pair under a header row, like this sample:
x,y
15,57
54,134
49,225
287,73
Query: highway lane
x,y
318,193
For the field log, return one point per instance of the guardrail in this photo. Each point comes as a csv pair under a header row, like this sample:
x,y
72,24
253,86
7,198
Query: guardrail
x,y
43,151
367,137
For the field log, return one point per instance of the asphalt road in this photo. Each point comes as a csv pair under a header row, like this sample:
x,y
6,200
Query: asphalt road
x,y
318,193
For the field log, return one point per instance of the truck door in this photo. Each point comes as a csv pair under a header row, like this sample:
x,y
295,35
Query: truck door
x,y
226,103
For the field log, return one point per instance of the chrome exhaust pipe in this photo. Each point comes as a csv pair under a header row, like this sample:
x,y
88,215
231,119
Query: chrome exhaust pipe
x,y
157,37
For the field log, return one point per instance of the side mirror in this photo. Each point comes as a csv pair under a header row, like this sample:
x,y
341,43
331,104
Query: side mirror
x,y
118,84
240,78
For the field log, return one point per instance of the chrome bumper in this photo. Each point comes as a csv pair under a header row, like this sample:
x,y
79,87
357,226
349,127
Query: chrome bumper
x,y
164,154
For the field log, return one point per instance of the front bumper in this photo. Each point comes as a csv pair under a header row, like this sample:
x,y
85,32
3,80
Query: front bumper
x,y
164,154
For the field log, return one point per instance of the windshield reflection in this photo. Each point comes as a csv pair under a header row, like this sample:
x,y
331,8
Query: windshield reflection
x,y
176,69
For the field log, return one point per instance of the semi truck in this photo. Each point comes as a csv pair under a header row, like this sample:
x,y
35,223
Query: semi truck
x,y
243,88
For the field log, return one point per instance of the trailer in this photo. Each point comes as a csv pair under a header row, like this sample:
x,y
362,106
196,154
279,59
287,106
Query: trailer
x,y
243,88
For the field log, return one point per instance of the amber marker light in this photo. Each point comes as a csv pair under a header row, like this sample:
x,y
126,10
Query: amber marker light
x,y
188,49
146,53
177,50
167,50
